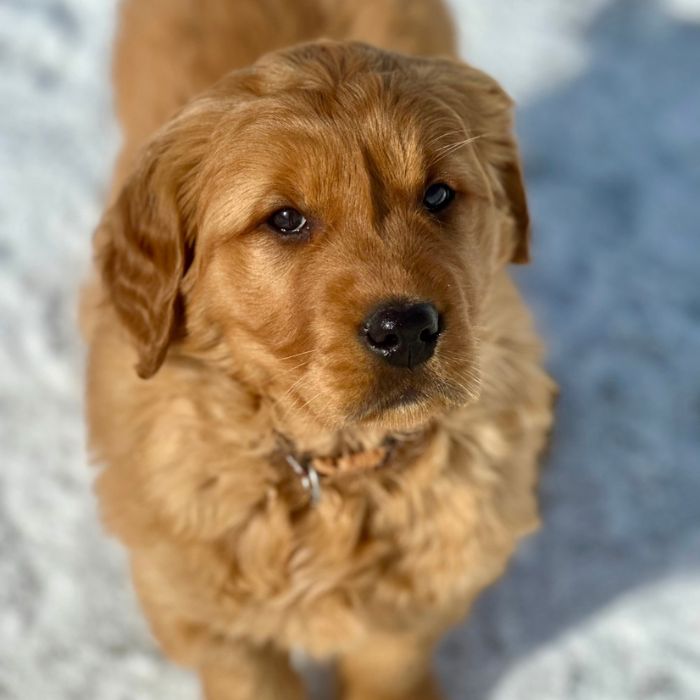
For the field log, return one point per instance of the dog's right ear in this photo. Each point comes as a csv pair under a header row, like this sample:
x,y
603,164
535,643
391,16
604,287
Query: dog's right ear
x,y
143,253
146,239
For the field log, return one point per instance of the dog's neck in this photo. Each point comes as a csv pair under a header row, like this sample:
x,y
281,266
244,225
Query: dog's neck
x,y
351,457
347,449
313,456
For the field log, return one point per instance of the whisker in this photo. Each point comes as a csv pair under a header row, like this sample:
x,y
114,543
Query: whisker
x,y
465,373
452,147
305,363
289,391
444,135
459,144
310,401
448,388
298,354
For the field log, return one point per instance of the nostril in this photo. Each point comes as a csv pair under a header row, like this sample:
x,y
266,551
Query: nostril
x,y
390,341
428,336
383,341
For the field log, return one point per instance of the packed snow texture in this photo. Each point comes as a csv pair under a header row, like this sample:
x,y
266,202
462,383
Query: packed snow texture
x,y
604,603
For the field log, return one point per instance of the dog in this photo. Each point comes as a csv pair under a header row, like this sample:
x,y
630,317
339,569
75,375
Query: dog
x,y
315,394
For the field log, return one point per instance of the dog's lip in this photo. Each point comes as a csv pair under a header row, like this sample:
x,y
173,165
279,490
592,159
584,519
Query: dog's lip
x,y
412,396
403,398
383,403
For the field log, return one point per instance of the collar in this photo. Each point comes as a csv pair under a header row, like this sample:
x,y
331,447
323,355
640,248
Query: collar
x,y
312,471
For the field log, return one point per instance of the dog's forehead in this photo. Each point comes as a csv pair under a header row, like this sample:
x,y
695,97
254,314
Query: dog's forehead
x,y
367,128
354,144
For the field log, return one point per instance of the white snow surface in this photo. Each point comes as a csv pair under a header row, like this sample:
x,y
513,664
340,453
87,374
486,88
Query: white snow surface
x,y
602,604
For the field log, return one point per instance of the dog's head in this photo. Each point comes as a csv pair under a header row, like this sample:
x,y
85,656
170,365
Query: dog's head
x,y
325,226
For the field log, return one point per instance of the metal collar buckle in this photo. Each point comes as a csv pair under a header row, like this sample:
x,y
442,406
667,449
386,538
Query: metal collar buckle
x,y
308,477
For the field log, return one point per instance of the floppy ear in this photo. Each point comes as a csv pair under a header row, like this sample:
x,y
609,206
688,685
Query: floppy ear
x,y
509,172
142,260
487,111
146,239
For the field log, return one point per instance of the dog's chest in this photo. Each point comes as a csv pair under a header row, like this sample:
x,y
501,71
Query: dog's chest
x,y
367,562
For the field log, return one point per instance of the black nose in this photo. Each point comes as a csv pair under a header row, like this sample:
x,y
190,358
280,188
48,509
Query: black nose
x,y
403,334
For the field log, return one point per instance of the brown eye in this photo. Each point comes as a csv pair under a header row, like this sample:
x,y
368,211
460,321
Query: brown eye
x,y
437,197
288,221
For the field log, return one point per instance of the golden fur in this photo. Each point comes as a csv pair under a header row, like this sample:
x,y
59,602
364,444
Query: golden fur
x,y
246,345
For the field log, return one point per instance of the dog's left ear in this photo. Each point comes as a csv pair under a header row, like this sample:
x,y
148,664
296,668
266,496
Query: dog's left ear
x,y
509,171
487,111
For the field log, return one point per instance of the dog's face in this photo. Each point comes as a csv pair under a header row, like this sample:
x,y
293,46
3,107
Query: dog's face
x,y
325,227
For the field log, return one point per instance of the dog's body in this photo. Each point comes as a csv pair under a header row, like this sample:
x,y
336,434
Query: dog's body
x,y
233,563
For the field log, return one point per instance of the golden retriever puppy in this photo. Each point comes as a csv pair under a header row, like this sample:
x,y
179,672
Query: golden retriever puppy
x,y
316,395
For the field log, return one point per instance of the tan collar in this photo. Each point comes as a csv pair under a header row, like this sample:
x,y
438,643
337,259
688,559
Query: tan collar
x,y
353,462
311,470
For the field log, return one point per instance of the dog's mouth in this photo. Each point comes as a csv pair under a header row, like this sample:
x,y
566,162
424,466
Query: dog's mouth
x,y
391,399
410,404
389,402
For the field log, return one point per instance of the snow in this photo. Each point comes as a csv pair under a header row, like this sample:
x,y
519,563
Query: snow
x,y
604,603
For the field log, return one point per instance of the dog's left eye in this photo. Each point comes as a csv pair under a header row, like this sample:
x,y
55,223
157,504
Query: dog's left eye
x,y
288,221
438,196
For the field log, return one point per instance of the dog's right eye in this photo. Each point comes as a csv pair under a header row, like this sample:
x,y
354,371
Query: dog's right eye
x,y
288,221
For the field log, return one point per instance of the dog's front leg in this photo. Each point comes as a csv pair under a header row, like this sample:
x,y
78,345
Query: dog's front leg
x,y
389,668
242,672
